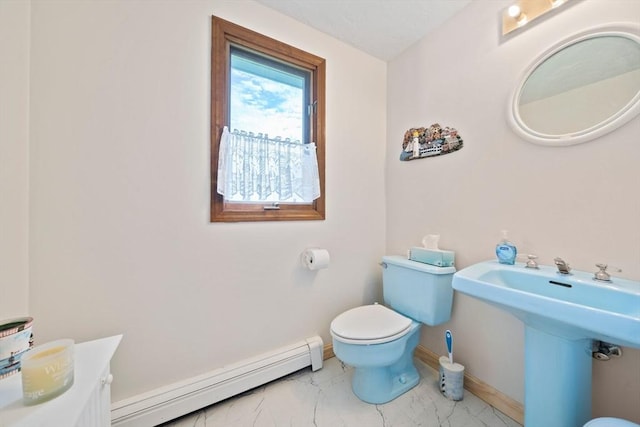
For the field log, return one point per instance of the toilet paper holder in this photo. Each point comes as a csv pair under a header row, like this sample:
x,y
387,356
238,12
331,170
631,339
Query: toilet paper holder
x,y
315,258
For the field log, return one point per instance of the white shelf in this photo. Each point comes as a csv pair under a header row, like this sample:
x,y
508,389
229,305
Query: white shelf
x,y
88,398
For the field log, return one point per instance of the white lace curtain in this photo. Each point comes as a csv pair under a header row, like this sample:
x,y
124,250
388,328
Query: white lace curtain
x,y
257,169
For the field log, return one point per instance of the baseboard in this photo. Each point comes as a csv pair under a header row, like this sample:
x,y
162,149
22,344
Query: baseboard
x,y
508,406
173,401
327,352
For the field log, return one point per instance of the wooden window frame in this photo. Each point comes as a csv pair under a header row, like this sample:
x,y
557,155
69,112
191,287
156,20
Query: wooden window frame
x,y
224,34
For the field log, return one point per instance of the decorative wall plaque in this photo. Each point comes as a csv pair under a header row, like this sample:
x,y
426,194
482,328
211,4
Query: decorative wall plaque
x,y
420,143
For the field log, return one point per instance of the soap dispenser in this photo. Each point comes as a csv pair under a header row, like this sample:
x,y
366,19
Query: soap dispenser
x,y
505,250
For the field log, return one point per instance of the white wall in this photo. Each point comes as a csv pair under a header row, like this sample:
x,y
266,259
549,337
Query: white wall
x,y
118,176
581,202
120,239
14,158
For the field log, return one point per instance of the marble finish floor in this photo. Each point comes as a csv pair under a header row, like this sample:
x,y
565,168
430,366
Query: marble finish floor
x,y
324,399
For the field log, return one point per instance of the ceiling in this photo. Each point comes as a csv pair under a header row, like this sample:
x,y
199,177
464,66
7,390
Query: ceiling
x,y
382,28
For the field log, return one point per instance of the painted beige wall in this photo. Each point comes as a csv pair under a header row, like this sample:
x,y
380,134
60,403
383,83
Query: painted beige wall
x,y
14,158
120,238
581,202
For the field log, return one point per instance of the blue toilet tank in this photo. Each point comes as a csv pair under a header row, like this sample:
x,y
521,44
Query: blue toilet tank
x,y
420,291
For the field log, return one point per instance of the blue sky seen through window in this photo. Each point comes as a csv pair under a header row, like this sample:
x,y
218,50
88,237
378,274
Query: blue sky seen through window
x,y
266,99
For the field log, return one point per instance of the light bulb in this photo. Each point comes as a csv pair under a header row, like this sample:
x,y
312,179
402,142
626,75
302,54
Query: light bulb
x,y
514,11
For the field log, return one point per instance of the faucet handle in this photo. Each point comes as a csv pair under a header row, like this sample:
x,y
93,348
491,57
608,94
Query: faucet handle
x,y
602,274
531,262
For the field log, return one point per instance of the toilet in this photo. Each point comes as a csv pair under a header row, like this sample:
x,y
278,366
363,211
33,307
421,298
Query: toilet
x,y
378,340
610,422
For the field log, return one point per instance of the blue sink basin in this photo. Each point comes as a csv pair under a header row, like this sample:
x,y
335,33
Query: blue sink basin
x,y
571,306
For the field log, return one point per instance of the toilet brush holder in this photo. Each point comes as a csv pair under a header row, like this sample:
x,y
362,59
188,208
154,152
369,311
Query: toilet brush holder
x,y
451,379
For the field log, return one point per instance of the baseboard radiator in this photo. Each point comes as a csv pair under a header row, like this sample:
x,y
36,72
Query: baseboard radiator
x,y
172,401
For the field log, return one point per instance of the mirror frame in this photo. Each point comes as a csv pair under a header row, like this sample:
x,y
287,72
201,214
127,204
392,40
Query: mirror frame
x,y
624,115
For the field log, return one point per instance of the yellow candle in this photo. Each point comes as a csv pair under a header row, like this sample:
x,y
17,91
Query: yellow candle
x,y
47,371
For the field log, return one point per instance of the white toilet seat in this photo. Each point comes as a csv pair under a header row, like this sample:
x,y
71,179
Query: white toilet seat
x,y
369,324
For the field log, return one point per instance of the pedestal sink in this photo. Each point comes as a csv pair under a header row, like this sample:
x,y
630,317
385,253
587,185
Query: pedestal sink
x,y
562,314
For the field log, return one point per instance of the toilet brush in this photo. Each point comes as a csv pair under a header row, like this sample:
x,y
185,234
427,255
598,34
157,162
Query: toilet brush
x,y
449,339
451,374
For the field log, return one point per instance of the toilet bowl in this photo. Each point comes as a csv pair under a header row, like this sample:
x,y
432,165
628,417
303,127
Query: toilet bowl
x,y
382,356
610,422
378,341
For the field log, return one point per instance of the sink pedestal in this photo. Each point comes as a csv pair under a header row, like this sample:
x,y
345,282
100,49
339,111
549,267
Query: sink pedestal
x,y
557,380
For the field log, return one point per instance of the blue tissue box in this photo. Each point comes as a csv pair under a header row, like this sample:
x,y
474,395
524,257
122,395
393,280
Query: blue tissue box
x,y
437,257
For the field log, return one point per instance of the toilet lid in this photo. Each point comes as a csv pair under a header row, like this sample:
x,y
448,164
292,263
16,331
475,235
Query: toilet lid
x,y
369,324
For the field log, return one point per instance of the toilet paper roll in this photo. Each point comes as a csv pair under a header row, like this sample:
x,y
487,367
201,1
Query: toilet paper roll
x,y
315,258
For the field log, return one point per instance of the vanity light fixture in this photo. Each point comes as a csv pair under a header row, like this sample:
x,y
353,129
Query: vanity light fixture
x,y
524,11
515,12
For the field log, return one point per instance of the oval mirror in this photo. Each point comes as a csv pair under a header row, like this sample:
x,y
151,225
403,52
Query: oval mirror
x,y
581,88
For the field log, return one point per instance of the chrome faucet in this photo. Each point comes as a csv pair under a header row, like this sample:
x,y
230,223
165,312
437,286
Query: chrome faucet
x,y
563,267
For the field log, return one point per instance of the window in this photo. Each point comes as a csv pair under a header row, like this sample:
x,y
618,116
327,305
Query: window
x,y
272,167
